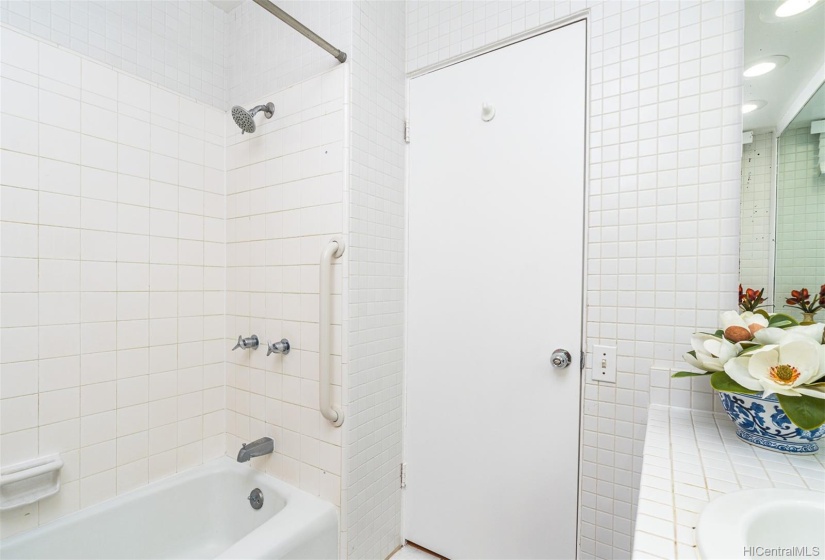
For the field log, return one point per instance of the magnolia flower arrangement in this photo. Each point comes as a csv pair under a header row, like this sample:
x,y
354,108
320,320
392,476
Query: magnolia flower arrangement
x,y
756,352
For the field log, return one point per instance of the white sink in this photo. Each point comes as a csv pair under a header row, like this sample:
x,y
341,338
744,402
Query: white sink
x,y
749,523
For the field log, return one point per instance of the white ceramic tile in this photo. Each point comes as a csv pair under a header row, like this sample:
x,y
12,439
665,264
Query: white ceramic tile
x,y
77,287
194,64
251,413
19,413
372,338
57,406
19,135
691,457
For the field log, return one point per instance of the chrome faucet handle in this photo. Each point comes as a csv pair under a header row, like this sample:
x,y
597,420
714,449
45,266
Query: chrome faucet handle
x,y
281,347
246,343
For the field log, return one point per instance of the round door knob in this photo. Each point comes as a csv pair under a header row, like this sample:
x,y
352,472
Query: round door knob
x,y
560,358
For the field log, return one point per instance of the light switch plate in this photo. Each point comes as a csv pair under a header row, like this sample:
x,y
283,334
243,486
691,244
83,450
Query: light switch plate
x,y
604,364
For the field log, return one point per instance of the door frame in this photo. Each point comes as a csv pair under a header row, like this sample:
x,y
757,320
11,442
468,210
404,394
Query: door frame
x,y
583,15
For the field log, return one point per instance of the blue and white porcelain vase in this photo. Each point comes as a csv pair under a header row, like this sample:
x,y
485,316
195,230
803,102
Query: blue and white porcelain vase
x,y
762,422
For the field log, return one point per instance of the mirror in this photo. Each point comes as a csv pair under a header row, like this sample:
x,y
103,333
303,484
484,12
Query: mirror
x,y
800,204
782,220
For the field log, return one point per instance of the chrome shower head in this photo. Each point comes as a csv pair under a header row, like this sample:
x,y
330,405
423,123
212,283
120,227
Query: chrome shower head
x,y
245,119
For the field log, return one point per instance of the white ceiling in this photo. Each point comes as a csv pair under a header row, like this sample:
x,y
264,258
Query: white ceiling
x,y
800,37
814,110
226,5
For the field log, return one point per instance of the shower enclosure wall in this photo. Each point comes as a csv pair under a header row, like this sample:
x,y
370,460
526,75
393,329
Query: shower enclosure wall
x,y
285,200
142,233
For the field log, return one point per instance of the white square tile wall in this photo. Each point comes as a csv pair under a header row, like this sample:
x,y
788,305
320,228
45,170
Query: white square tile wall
x,y
755,219
800,212
264,54
665,150
112,276
376,281
681,392
665,155
180,45
285,200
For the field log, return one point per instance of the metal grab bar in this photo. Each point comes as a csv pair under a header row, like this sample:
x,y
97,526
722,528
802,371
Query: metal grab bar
x,y
333,250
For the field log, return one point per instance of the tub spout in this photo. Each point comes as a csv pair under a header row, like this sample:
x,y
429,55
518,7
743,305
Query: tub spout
x,y
259,447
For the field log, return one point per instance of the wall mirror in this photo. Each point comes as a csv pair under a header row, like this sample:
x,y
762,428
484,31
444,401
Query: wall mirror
x,y
782,222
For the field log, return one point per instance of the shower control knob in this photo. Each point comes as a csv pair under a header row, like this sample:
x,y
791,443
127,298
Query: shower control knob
x,y
560,358
281,347
246,343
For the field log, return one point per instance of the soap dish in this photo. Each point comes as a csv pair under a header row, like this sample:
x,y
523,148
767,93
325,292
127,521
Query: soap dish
x,y
27,482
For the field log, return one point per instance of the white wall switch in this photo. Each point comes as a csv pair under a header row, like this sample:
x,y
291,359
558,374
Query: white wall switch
x,y
604,364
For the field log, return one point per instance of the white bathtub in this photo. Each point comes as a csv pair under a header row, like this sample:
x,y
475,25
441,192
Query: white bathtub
x,y
200,513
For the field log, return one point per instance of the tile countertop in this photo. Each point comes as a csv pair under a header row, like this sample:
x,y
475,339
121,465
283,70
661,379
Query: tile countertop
x,y
692,457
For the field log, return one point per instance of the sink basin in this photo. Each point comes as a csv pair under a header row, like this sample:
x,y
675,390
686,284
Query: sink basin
x,y
750,523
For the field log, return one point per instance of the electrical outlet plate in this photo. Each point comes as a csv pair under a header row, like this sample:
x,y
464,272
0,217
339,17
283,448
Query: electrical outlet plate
x,y
604,364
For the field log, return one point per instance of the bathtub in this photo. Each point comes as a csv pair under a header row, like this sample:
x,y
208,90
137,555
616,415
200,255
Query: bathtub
x,y
200,513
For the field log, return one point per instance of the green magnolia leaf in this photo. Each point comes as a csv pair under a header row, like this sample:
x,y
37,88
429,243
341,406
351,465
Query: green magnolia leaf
x,y
721,381
763,313
782,321
750,348
806,412
690,373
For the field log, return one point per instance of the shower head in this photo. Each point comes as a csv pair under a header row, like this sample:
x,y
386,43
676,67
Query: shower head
x,y
245,119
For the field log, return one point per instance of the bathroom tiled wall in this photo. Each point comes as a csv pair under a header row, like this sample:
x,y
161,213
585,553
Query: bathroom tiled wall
x,y
376,281
264,54
285,201
800,207
112,276
176,44
665,151
755,220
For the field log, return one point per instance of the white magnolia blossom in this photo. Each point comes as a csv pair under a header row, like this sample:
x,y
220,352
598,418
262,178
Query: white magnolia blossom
x,y
712,352
781,368
754,322
773,335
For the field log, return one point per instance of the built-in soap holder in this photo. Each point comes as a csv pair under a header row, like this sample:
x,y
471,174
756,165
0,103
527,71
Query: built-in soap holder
x,y
29,481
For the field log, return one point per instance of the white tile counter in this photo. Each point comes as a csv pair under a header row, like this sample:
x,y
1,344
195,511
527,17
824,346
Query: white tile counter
x,y
692,457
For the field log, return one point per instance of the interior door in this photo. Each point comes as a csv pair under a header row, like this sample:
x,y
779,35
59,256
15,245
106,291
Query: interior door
x,y
496,222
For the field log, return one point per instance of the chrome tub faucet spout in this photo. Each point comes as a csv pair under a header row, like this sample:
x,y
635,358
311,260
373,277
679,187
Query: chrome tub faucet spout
x,y
256,448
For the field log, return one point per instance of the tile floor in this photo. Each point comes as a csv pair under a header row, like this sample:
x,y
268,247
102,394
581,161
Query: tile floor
x,y
408,552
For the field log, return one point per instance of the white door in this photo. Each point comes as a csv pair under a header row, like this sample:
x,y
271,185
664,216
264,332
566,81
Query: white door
x,y
496,219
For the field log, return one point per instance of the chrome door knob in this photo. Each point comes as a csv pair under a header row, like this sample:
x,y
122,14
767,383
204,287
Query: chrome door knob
x,y
560,358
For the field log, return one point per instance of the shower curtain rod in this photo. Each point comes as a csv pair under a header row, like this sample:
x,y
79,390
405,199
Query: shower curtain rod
x,y
301,28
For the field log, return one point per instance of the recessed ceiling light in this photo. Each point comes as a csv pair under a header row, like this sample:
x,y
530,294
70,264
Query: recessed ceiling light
x,y
765,65
759,68
753,105
792,7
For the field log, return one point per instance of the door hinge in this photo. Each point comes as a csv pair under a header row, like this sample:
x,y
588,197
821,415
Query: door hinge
x,y
407,132
581,361
403,475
